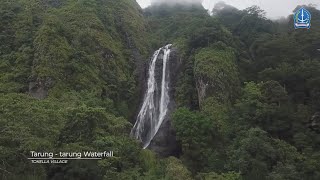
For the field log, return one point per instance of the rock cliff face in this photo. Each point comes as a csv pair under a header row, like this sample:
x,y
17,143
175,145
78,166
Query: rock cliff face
x,y
315,122
164,143
39,88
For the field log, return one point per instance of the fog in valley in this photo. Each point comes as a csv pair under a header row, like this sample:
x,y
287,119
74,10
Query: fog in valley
x,y
274,9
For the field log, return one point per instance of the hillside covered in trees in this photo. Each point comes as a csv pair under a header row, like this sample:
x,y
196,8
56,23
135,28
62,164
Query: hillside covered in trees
x,y
71,73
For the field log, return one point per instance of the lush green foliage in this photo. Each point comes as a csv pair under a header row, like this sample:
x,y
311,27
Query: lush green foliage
x,y
247,90
84,54
261,131
217,69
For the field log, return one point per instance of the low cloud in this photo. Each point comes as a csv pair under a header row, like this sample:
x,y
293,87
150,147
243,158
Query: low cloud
x,y
172,2
274,8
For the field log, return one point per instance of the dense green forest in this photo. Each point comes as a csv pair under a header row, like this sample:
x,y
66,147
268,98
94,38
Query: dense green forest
x,y
248,93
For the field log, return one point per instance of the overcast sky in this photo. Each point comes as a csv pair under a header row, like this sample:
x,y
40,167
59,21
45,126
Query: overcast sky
x,y
274,8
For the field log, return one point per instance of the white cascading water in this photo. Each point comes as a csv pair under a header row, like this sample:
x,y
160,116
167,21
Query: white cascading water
x,y
154,109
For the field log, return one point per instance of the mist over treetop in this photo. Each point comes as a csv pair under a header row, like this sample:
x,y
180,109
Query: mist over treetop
x,y
173,2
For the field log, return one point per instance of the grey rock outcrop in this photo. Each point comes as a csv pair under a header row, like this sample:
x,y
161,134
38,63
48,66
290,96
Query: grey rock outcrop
x,y
315,122
39,87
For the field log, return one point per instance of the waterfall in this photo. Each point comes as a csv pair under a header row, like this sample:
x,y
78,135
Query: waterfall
x,y
155,105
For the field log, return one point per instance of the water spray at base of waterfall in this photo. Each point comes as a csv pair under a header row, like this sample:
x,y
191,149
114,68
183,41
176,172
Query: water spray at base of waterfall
x,y
154,108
